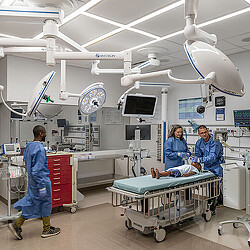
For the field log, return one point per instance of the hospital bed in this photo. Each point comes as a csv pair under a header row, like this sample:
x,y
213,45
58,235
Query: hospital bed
x,y
152,204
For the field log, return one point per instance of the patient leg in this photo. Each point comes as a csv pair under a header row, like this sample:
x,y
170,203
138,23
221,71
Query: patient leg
x,y
153,173
167,173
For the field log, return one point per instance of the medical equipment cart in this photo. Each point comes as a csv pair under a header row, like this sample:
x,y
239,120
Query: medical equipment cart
x,y
63,178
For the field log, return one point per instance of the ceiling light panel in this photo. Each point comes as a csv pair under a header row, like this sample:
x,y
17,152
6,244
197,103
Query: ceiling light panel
x,y
165,23
127,11
83,29
120,41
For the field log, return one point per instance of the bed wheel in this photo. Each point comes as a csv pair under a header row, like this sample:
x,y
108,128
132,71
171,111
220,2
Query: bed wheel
x,y
128,224
207,215
248,242
160,235
72,210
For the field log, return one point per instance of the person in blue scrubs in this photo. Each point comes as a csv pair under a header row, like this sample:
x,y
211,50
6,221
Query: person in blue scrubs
x,y
210,153
176,150
37,202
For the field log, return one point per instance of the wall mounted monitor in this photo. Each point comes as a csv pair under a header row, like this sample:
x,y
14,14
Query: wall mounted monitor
x,y
145,132
139,105
242,118
14,116
61,123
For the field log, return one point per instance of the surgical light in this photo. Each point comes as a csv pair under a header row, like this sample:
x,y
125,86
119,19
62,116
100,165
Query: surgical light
x,y
92,99
38,94
205,59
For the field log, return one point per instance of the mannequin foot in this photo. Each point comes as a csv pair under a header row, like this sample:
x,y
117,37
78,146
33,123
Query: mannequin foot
x,y
153,173
157,173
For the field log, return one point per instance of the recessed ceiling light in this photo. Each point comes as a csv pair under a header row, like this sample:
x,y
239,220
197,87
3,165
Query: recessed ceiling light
x,y
246,40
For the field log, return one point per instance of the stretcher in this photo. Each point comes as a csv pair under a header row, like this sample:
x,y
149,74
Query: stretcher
x,y
152,204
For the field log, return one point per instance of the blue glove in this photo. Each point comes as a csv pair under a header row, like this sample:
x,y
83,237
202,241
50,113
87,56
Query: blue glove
x,y
42,192
195,159
183,155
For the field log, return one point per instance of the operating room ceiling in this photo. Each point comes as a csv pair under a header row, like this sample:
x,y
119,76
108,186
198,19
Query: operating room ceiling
x,y
118,25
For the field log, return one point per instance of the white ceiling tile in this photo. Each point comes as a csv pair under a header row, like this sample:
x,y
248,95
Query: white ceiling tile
x,y
223,45
247,47
170,46
165,23
237,40
83,29
127,11
23,30
119,42
233,51
179,39
231,27
180,55
211,9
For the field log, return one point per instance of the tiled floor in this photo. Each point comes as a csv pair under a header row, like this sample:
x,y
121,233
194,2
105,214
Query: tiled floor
x,y
97,225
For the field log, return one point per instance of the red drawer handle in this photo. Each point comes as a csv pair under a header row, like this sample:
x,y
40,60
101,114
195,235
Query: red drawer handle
x,y
56,173
56,190
57,169
57,183
57,199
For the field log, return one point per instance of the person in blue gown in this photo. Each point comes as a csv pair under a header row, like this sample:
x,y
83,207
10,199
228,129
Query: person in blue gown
x,y
37,203
176,150
210,153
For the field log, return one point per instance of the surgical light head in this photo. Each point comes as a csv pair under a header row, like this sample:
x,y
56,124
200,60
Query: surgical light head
x,y
92,99
38,94
207,60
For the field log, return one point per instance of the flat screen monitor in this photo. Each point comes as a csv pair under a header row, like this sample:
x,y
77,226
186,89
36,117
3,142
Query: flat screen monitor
x,y
139,105
61,123
145,132
242,118
14,116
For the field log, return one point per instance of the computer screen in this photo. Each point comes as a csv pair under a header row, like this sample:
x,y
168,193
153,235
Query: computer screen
x,y
61,123
242,118
14,116
145,132
139,105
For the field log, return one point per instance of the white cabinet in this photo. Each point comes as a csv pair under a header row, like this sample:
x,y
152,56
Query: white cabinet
x,y
234,186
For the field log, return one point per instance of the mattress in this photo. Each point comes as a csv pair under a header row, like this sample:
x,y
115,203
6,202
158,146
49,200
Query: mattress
x,y
140,185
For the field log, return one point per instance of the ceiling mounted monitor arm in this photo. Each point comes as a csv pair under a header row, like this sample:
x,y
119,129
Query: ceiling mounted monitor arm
x,y
191,31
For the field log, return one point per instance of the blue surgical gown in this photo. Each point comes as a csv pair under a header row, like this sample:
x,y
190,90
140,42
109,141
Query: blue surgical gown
x,y
172,147
32,205
211,154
